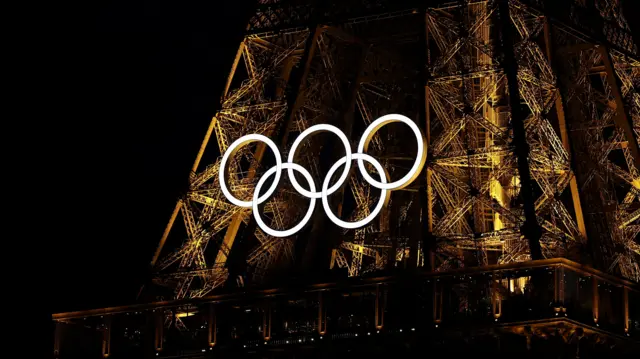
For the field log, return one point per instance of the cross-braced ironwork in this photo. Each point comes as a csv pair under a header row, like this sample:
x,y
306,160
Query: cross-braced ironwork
x,y
531,112
532,122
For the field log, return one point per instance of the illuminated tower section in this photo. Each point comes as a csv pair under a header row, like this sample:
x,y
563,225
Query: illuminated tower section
x,y
520,234
515,152
473,175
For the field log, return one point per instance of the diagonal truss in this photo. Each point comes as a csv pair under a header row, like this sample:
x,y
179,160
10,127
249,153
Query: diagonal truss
x,y
603,102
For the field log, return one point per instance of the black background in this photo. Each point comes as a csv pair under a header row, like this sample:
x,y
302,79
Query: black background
x,y
132,88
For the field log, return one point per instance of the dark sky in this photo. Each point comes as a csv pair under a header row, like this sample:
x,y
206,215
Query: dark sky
x,y
136,85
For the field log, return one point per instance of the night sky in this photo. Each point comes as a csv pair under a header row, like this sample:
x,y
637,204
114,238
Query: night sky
x,y
142,80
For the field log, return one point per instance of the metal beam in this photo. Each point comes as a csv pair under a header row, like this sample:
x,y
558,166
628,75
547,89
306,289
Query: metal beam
x,y
531,228
564,131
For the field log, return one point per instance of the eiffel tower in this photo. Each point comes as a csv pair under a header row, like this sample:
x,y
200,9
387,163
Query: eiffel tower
x,y
520,233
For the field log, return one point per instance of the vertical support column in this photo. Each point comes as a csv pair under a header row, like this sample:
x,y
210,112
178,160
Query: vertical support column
x,y
595,303
426,193
496,298
322,314
57,340
558,290
531,228
266,322
213,326
159,330
429,248
106,337
380,305
437,302
564,131
285,73
625,303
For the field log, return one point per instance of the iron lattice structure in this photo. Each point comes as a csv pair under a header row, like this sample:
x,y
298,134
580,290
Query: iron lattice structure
x,y
531,118
517,233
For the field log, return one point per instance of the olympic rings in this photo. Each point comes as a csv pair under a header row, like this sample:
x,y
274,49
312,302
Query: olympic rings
x,y
421,157
381,202
347,150
360,156
233,149
256,201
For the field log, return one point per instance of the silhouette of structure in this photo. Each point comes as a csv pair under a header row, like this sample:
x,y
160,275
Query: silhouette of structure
x,y
520,235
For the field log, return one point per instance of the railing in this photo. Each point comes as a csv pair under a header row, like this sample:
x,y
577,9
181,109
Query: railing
x,y
474,297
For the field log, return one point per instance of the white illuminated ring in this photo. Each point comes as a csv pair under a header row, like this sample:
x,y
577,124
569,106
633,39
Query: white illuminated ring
x,y
360,156
345,172
233,149
256,201
381,202
421,156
